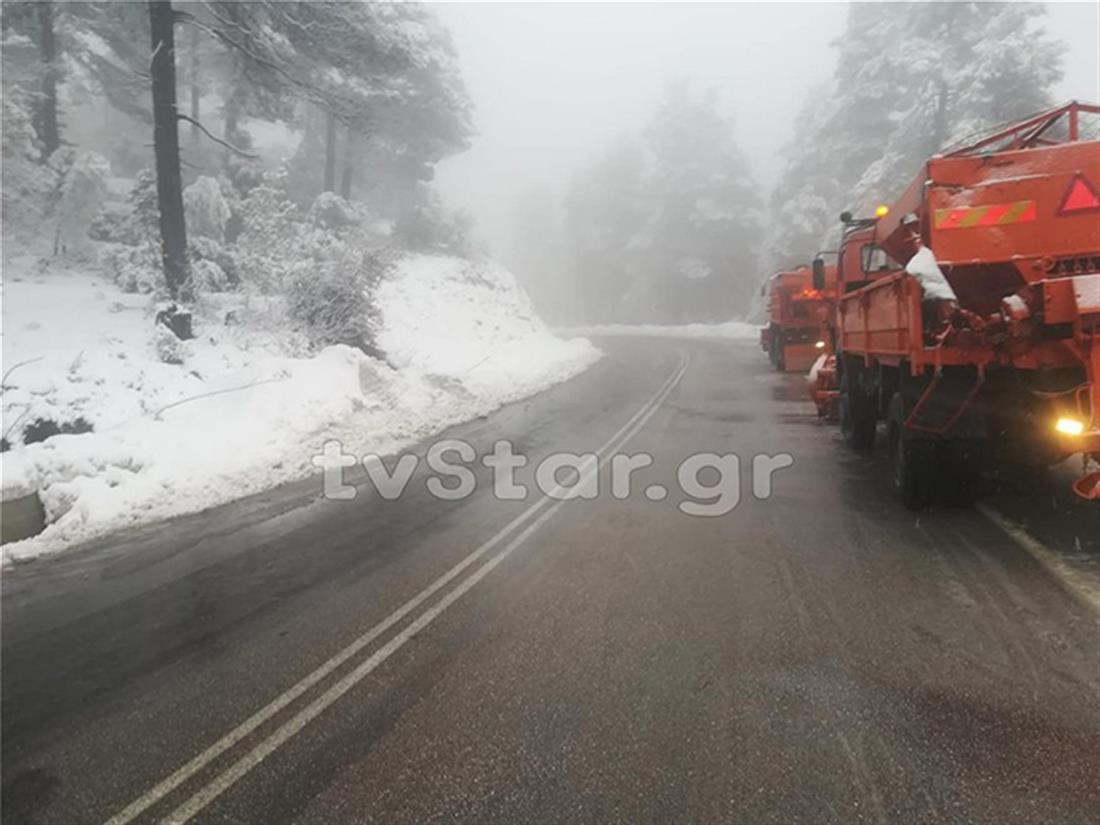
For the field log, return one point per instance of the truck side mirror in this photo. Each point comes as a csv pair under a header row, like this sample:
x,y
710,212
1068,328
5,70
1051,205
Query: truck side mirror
x,y
818,267
845,218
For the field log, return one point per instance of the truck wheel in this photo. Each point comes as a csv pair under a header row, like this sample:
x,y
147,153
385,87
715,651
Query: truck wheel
x,y
912,460
960,464
857,415
780,351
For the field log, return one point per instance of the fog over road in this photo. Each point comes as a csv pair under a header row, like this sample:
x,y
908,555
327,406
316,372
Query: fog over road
x,y
819,655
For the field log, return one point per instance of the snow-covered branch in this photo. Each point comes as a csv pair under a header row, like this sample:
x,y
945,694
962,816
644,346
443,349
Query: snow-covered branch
x,y
235,149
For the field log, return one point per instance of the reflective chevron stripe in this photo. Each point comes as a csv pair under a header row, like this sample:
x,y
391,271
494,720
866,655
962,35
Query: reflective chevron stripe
x,y
997,214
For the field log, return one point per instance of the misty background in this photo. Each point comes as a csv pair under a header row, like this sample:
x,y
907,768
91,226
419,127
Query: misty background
x,y
557,87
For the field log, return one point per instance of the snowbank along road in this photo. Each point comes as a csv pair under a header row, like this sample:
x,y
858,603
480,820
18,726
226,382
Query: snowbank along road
x,y
816,654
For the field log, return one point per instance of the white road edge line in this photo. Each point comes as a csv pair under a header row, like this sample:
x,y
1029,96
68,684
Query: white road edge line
x,y
245,728
1076,583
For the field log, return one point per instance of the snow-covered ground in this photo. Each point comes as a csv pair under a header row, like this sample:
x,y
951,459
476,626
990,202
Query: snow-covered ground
x,y
237,414
730,329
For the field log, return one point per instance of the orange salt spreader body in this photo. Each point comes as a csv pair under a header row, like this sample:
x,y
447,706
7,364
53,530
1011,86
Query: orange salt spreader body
x,y
968,312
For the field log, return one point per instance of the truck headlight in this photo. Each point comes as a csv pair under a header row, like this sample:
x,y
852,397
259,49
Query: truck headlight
x,y
1069,426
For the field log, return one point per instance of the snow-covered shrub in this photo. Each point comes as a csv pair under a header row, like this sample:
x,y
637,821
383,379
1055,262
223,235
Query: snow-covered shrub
x,y
137,268
168,348
206,209
330,211
109,225
208,276
82,194
269,239
245,174
333,300
143,205
136,225
212,265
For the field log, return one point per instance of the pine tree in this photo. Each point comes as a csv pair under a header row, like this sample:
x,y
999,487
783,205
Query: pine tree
x,y
911,79
703,243
959,68
40,23
604,213
802,204
166,147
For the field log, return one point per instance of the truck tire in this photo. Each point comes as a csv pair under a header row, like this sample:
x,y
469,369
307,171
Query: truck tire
x,y
772,333
857,413
912,460
780,351
960,463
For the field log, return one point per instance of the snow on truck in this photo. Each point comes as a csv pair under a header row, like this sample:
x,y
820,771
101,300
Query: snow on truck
x,y
797,313
968,313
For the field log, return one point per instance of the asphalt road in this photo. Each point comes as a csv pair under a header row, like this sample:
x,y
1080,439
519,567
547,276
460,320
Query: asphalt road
x,y
815,655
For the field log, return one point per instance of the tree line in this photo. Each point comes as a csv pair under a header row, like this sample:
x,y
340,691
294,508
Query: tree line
x,y
662,227
377,84
668,226
911,79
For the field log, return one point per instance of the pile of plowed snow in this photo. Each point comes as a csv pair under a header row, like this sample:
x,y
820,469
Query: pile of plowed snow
x,y
236,415
727,330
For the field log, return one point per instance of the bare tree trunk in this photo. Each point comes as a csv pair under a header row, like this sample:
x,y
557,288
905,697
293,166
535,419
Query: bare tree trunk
x,y
195,93
47,127
166,148
231,110
348,171
231,113
330,152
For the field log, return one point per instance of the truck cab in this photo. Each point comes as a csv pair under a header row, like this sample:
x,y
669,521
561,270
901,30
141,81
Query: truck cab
x,y
798,311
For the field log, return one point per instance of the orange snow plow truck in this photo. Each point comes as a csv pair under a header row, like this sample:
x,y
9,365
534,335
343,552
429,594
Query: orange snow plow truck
x,y
968,312
797,313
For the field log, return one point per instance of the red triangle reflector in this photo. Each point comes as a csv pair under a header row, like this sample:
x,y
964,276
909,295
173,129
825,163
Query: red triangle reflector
x,y
1080,197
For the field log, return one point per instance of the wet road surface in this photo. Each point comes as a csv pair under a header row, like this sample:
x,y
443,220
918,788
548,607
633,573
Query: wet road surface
x,y
817,654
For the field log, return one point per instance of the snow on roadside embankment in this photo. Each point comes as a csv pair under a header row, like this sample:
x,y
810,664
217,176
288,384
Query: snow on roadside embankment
x,y
237,415
735,330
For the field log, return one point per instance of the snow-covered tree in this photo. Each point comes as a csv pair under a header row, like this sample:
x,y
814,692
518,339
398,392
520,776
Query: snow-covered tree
x,y
27,184
802,206
384,71
206,208
958,68
911,79
269,236
704,233
666,229
605,210
82,194
42,68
